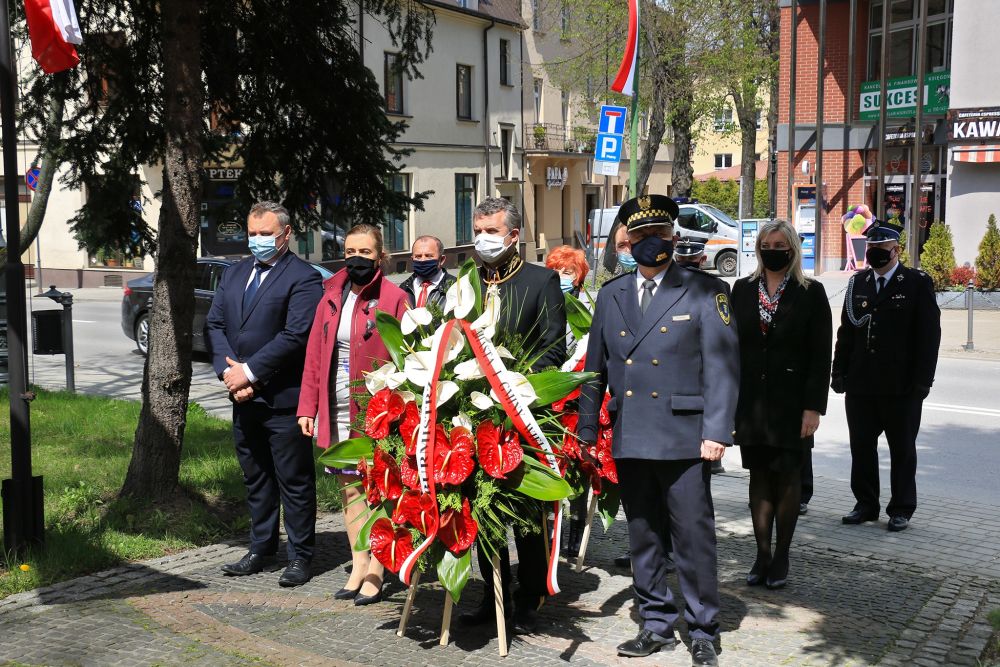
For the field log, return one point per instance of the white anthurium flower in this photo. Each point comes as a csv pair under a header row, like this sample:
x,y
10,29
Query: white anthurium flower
x,y
480,400
427,342
460,297
445,391
468,370
456,343
462,419
504,352
519,384
485,324
378,379
396,380
413,318
418,367
407,396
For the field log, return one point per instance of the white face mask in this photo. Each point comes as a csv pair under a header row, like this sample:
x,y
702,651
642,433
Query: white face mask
x,y
490,247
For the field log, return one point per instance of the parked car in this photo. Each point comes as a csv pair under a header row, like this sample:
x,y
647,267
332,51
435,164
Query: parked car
x,y
138,300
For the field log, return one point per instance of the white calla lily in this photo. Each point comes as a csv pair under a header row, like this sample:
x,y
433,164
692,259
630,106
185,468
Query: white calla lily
x,y
463,420
427,342
445,391
519,384
456,343
413,318
418,367
407,396
460,297
468,370
504,352
378,379
480,400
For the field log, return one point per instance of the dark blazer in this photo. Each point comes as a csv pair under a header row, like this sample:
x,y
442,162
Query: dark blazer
x,y
894,352
435,296
786,371
673,373
271,335
534,310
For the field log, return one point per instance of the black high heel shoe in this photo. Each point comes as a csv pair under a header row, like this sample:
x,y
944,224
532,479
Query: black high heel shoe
x,y
777,573
363,600
758,573
346,593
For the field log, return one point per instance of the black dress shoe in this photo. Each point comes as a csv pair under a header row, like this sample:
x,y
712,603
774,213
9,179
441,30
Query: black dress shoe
x,y
250,564
703,653
645,643
346,594
717,468
859,516
898,523
803,508
296,574
624,561
758,573
483,614
525,622
364,600
777,573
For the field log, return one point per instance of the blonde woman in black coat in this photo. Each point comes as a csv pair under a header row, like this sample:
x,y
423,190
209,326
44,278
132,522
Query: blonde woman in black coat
x,y
786,333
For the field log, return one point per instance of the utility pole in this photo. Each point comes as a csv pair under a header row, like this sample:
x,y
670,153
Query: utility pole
x,y
913,235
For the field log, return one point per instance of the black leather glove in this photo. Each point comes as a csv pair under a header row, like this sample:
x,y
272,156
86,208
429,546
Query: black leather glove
x,y
921,391
837,384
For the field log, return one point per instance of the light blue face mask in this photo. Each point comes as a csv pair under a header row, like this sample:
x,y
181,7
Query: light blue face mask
x,y
626,261
566,284
263,248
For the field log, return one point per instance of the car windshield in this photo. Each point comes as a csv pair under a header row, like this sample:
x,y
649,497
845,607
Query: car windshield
x,y
721,216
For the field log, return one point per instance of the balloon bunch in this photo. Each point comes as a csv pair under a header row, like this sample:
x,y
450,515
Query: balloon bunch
x,y
857,220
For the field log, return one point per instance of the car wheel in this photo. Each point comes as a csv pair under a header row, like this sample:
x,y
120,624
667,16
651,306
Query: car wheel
x,y
142,333
726,263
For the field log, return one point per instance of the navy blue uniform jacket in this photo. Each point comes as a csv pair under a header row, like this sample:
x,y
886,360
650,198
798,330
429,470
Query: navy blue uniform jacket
x,y
673,373
271,335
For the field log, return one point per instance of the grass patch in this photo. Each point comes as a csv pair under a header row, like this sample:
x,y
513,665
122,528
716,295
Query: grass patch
x,y
82,445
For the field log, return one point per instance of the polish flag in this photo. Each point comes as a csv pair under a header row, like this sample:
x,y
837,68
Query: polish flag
x,y
625,80
54,30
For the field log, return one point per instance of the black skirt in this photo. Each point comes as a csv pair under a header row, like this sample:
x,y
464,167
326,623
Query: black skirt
x,y
771,459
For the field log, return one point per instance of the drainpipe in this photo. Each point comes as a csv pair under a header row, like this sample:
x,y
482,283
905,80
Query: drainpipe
x,y
524,157
486,108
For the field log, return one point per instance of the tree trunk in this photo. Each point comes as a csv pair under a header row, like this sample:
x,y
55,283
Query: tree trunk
x,y
747,116
773,46
657,126
682,171
155,465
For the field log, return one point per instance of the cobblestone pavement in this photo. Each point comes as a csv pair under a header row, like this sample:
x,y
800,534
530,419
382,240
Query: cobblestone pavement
x,y
857,595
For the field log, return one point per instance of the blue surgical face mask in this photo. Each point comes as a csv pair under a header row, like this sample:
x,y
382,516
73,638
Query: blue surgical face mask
x,y
264,248
626,261
566,283
426,268
653,251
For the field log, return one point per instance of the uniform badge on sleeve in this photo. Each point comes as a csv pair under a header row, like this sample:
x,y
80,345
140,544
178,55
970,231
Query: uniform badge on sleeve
x,y
722,305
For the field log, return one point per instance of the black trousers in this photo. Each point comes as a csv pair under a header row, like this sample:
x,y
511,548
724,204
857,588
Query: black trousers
x,y
278,470
672,498
899,418
532,569
807,476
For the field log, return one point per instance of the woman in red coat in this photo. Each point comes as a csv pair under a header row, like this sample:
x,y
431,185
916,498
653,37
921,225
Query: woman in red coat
x,y
339,352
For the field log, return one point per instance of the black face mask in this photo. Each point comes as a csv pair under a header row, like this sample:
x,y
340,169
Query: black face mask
x,y
878,257
774,259
425,268
360,270
653,251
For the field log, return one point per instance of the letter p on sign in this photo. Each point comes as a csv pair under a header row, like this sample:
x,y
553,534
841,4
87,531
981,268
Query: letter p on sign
x,y
609,147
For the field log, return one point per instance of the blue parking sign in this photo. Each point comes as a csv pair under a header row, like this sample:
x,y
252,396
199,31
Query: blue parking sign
x,y
612,119
608,147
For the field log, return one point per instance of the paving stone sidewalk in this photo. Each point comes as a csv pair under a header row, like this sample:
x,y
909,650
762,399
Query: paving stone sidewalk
x,y
857,595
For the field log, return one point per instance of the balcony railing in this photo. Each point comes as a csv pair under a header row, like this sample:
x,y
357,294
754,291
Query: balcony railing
x,y
556,137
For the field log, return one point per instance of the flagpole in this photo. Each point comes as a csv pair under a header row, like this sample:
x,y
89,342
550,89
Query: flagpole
x,y
634,138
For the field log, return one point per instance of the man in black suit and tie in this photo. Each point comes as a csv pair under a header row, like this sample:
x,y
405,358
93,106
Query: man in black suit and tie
x,y
664,344
257,327
885,357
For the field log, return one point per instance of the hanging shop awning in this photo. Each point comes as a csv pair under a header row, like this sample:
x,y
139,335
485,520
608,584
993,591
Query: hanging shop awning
x,y
982,154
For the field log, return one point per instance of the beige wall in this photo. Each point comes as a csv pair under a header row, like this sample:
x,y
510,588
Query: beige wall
x,y
710,142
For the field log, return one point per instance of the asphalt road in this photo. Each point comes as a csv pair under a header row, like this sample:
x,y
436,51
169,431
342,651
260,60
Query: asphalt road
x,y
959,443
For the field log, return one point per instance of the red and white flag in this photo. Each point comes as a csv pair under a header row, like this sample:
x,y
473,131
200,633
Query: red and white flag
x,y
625,80
54,30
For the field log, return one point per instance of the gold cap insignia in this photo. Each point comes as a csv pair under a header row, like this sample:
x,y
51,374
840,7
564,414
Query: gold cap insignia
x,y
644,203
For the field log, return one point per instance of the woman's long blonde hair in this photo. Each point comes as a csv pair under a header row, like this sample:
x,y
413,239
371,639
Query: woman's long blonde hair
x,y
792,238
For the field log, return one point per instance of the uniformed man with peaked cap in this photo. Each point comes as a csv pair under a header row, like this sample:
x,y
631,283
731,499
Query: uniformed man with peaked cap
x,y
689,253
664,344
885,357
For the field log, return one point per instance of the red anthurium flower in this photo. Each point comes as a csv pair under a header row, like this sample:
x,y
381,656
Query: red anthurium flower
x,y
609,470
408,472
368,482
383,409
458,529
409,427
390,544
499,453
386,474
418,510
453,460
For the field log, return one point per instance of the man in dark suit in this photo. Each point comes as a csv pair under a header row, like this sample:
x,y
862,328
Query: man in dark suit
x,y
430,280
257,327
664,344
532,309
885,357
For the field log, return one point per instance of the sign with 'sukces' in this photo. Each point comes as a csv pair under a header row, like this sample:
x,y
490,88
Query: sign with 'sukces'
x,y
612,119
901,95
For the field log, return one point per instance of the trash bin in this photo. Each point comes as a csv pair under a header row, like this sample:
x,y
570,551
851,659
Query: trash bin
x,y
47,332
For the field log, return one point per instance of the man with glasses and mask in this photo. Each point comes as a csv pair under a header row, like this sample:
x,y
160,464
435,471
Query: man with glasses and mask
x,y
430,281
664,343
532,310
884,361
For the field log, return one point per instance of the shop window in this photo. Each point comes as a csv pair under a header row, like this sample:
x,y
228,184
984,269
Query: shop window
x,y
465,202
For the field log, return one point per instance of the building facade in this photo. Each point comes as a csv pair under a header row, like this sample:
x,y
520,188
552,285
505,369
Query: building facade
x,y
718,145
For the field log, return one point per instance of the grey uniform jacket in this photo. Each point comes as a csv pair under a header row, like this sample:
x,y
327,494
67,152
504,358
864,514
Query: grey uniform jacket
x,y
673,373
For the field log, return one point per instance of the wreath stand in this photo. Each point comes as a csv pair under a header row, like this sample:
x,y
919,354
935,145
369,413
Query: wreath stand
x,y
449,604
585,540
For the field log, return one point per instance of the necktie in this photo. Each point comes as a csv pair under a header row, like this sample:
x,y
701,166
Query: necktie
x,y
881,283
254,285
647,294
422,299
